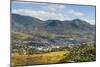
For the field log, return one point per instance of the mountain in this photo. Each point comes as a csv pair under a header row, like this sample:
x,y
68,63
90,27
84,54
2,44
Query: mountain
x,y
82,25
55,26
21,23
72,26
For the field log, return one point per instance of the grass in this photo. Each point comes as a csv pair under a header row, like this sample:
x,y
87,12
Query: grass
x,y
46,58
20,36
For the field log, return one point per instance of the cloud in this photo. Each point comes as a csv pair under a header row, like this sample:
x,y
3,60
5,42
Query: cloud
x,y
91,21
43,15
75,13
55,7
48,10
63,9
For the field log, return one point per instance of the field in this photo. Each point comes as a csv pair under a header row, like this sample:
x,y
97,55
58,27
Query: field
x,y
46,58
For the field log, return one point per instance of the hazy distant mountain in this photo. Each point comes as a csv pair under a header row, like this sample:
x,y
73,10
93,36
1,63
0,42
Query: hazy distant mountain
x,y
22,23
73,25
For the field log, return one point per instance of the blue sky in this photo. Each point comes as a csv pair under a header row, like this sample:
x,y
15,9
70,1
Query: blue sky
x,y
45,11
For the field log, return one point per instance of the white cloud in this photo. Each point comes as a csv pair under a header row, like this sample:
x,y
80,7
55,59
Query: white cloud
x,y
63,9
91,21
49,9
54,7
75,13
43,15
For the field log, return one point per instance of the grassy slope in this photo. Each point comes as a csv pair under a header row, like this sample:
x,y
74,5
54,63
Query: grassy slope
x,y
20,36
47,58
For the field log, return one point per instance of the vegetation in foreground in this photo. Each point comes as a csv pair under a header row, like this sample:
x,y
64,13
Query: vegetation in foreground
x,y
82,53
79,53
47,58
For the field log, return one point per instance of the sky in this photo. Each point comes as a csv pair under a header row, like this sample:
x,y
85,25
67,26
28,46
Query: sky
x,y
54,11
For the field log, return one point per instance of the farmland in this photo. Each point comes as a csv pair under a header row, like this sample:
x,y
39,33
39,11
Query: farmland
x,y
46,58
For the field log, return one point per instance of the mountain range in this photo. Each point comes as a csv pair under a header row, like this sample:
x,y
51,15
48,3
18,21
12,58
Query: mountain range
x,y
21,23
